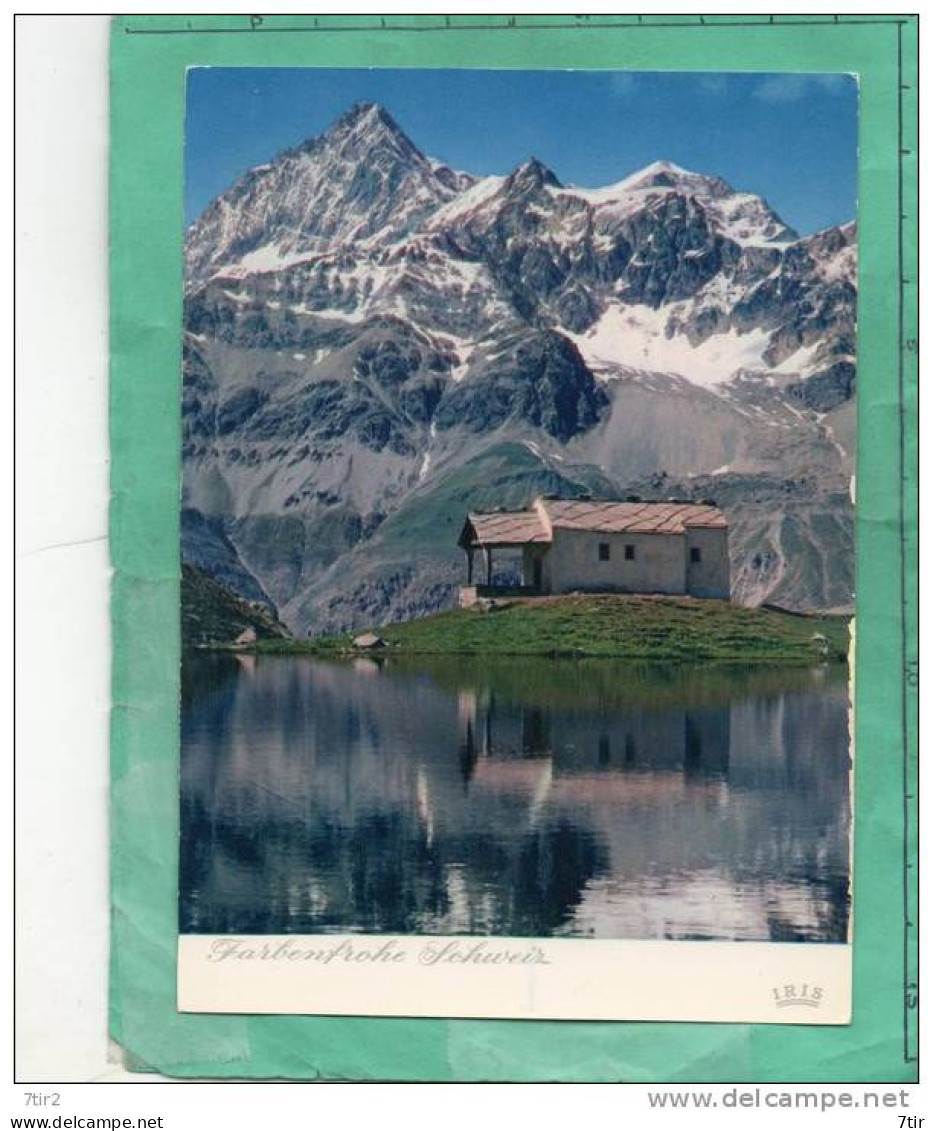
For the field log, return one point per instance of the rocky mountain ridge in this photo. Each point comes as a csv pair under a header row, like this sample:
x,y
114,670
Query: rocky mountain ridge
x,y
369,333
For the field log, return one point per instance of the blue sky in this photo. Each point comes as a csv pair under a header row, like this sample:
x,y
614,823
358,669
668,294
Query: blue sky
x,y
789,138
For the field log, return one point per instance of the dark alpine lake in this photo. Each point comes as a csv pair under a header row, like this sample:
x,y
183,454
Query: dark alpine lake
x,y
465,795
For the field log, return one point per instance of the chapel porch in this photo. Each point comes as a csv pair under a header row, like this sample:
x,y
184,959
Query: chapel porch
x,y
509,543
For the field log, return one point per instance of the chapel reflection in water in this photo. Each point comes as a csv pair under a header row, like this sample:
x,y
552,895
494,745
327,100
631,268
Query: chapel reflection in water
x,y
526,797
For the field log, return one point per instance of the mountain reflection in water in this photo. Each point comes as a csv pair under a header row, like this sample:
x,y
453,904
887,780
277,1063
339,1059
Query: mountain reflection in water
x,y
463,795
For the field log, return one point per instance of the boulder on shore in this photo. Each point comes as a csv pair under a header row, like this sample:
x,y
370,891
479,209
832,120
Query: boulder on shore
x,y
367,641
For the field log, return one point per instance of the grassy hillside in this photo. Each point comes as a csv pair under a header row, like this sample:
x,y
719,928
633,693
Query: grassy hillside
x,y
508,475
412,564
671,629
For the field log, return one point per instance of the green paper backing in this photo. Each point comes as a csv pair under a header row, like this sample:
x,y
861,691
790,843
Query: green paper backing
x,y
149,58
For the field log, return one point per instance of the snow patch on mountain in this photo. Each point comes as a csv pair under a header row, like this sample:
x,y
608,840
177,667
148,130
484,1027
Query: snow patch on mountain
x,y
635,337
470,201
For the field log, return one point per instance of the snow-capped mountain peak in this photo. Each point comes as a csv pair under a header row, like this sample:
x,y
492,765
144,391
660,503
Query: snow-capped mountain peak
x,y
365,115
362,178
532,174
368,130
667,175
665,268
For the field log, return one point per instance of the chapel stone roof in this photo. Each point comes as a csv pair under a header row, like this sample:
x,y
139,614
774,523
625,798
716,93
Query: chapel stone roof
x,y
538,522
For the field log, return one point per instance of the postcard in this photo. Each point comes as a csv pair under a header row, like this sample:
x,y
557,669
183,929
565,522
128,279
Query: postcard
x,y
518,438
